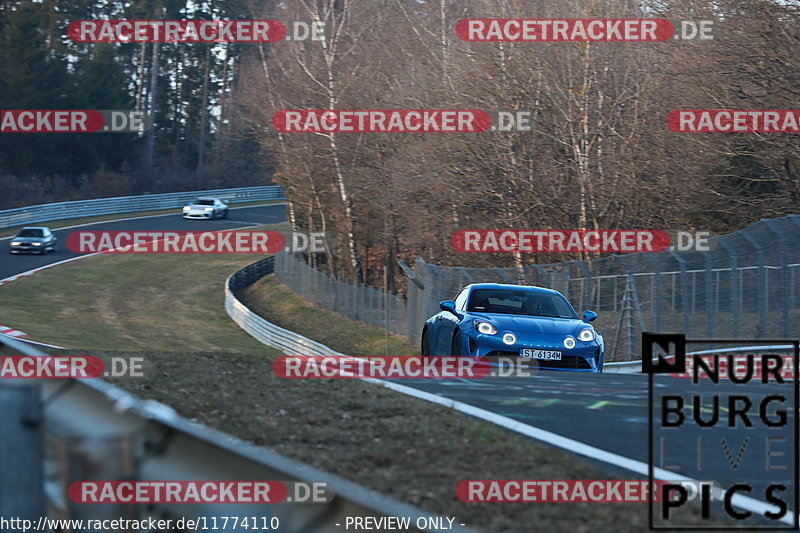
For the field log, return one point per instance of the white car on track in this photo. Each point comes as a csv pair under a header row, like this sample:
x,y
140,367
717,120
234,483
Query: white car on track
x,y
206,208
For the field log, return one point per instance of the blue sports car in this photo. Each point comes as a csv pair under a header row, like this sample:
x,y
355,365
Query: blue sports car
x,y
489,320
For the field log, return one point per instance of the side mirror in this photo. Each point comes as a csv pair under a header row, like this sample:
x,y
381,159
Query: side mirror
x,y
449,306
588,316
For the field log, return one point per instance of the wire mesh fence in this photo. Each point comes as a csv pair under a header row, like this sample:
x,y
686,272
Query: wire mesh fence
x,y
353,300
744,286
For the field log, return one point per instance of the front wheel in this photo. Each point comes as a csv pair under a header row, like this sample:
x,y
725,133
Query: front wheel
x,y
455,346
424,345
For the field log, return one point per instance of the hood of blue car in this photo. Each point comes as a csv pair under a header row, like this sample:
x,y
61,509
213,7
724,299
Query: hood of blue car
x,y
534,324
27,240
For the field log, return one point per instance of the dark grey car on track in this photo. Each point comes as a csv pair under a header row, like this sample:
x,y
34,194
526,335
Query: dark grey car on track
x,y
33,239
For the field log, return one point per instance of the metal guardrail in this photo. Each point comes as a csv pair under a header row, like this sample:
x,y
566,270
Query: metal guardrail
x,y
266,332
288,342
131,204
91,415
635,367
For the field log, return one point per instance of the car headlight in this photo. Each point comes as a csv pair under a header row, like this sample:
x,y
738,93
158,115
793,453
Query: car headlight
x,y
485,327
208,209
509,338
15,243
569,343
186,208
587,335
36,243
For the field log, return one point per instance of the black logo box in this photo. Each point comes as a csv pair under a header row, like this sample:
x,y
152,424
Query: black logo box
x,y
673,360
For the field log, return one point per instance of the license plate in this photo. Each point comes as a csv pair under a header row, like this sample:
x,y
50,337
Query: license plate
x,y
546,355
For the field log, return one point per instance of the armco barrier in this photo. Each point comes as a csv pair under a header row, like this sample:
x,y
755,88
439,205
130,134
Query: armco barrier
x,y
130,204
161,445
286,341
635,367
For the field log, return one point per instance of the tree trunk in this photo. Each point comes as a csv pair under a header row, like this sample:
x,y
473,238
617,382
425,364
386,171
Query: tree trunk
x,y
151,133
201,142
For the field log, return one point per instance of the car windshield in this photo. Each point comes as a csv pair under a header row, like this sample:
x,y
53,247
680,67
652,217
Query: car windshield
x,y
201,201
31,233
520,302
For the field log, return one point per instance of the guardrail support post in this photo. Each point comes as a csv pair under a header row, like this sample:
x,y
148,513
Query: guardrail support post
x,y
21,452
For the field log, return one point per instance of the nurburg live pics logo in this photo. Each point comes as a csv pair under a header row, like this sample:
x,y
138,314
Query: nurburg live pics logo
x,y
734,421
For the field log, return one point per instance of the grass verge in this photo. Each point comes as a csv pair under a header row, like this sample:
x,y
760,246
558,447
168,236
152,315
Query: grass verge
x,y
168,310
280,305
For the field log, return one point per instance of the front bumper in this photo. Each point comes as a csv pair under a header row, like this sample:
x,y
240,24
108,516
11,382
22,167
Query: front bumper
x,y
198,214
26,248
584,357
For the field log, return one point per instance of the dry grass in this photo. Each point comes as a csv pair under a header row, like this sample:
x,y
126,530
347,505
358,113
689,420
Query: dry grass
x,y
169,311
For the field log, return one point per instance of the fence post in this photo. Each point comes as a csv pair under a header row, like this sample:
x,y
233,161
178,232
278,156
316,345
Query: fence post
x,y
565,279
318,287
360,307
785,283
586,287
761,286
374,312
733,261
626,320
307,273
345,295
545,274
684,289
709,295
655,293
416,299
630,296
21,452
335,292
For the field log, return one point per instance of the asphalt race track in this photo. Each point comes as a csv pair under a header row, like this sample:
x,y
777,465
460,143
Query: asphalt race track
x,y
607,411
239,217
610,412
